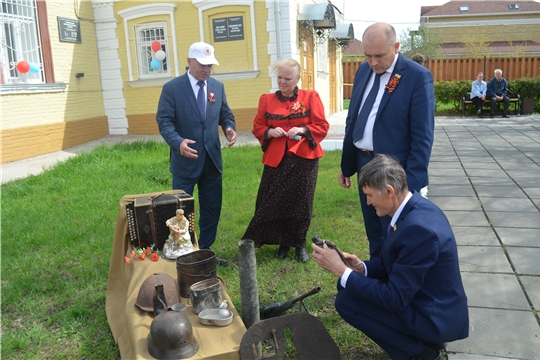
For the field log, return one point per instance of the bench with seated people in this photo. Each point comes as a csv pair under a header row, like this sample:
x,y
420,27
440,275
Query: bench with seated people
x,y
515,100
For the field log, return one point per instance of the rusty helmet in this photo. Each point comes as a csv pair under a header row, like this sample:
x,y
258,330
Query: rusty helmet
x,y
146,292
171,337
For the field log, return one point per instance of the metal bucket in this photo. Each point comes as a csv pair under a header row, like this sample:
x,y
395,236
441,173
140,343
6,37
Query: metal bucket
x,y
194,267
205,295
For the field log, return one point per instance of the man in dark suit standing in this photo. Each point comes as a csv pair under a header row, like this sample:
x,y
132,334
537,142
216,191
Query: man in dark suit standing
x,y
190,109
396,119
411,299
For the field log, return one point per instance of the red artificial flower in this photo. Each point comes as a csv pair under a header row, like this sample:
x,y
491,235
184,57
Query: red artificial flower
x,y
126,259
133,254
211,97
154,257
142,256
147,250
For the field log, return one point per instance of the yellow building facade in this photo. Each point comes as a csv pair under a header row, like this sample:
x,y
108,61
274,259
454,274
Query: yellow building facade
x,y
122,75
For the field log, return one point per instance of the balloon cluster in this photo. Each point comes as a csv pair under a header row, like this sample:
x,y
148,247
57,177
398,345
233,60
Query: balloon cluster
x,y
24,66
159,55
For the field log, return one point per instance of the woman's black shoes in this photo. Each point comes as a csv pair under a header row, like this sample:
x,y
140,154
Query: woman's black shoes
x,y
282,252
302,254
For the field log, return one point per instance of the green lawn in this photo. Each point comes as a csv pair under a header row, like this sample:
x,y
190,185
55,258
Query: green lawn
x,y
58,228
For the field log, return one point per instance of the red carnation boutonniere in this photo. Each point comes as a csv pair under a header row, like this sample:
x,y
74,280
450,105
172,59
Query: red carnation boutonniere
x,y
393,83
211,97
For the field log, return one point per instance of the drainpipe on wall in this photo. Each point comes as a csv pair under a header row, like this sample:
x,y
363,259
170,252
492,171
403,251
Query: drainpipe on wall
x,y
110,66
277,18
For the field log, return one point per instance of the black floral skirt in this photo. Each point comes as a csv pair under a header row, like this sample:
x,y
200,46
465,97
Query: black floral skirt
x,y
284,203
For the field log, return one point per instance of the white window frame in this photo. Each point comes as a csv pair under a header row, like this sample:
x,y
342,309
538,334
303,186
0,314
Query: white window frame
x,y
141,11
20,40
145,54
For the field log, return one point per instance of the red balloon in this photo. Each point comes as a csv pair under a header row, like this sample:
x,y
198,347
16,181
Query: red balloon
x,y
156,46
23,66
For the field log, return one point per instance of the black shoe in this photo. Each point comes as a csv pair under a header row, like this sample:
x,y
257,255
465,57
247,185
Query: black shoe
x,y
282,252
222,262
506,116
479,112
492,116
420,357
302,254
435,346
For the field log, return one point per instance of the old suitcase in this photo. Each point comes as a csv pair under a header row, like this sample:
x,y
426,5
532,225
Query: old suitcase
x,y
147,218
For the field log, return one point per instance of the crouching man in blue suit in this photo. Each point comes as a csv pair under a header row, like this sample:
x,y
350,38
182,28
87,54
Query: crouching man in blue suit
x,y
411,299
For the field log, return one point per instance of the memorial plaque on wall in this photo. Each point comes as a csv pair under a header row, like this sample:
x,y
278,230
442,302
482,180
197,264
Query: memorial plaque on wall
x,y
69,30
228,29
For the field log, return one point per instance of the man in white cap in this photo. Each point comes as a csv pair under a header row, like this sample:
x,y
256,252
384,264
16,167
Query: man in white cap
x,y
190,109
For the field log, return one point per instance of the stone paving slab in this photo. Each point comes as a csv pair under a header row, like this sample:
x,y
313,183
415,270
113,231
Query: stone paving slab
x,y
533,192
451,190
499,191
518,164
444,166
497,291
508,205
452,203
502,333
466,218
514,220
475,172
477,235
446,172
445,180
527,183
525,260
483,181
532,288
471,161
480,165
523,175
483,259
519,237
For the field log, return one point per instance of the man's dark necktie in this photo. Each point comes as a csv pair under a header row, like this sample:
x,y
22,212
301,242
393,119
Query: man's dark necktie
x,y
389,230
201,99
361,121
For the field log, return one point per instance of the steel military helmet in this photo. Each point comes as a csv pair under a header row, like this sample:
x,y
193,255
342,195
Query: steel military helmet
x,y
146,292
171,337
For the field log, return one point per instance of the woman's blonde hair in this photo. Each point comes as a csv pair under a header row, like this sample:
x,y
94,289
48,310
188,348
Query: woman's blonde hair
x,y
287,63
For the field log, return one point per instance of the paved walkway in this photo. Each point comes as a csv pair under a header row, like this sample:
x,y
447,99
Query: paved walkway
x,y
485,175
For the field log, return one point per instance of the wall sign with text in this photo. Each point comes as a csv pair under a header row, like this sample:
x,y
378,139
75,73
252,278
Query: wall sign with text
x,y
228,29
69,30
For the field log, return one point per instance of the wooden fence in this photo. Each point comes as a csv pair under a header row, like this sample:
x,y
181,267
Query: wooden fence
x,y
461,69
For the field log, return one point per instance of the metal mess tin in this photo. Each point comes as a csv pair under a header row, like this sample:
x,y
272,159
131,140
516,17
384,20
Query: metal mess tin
x,y
216,317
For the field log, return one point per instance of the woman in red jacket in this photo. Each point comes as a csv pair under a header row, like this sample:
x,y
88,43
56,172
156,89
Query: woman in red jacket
x,y
290,124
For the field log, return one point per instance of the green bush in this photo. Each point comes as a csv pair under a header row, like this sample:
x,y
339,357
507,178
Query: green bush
x,y
451,92
527,88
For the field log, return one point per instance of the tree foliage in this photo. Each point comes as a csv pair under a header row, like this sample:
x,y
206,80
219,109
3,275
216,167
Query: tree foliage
x,y
476,44
424,41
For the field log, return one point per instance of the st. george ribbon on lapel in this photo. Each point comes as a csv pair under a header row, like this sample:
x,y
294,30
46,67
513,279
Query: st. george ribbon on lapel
x,y
201,99
361,121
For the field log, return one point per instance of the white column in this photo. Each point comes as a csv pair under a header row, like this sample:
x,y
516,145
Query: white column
x,y
110,66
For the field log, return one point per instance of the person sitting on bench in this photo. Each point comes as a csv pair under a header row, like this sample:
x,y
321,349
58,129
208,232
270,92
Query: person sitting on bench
x,y
497,91
478,93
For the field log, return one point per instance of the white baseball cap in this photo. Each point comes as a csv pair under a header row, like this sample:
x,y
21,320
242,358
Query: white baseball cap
x,y
203,53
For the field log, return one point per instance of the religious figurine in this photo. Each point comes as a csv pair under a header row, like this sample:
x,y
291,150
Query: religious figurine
x,y
179,241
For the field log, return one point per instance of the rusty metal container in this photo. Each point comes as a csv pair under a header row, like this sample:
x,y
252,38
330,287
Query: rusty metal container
x,y
194,267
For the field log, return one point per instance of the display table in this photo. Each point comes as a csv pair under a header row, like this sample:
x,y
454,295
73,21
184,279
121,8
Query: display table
x,y
130,326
